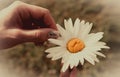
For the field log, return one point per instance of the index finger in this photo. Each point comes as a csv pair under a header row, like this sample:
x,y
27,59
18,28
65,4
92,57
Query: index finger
x,y
43,14
48,19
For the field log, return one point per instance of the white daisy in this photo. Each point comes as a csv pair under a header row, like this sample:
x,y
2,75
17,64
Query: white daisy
x,y
76,44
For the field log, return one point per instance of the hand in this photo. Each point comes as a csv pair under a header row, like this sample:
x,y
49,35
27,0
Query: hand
x,y
69,73
21,22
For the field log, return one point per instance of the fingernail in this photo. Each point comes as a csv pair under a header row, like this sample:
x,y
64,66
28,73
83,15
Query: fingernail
x,y
53,34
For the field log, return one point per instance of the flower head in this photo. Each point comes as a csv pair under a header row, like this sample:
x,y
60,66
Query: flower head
x,y
76,44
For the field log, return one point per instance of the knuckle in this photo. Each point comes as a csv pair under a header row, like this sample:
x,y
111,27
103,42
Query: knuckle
x,y
40,36
46,11
37,35
18,4
17,33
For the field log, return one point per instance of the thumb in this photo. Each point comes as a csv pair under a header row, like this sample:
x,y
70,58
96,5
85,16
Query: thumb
x,y
39,35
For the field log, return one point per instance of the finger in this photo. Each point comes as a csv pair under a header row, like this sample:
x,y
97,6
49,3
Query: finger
x,y
39,35
65,74
73,72
49,20
40,14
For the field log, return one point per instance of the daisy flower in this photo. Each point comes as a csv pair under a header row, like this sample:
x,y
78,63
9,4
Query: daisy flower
x,y
76,44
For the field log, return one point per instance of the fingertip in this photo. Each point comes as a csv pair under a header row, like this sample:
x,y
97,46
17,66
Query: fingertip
x,y
48,19
53,34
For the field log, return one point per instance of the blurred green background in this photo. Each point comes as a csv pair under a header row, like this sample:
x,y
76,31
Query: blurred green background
x,y
28,60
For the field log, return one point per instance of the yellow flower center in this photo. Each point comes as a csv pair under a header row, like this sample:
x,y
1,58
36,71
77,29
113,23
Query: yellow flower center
x,y
75,45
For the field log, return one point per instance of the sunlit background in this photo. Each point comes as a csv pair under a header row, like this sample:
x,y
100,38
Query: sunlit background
x,y
28,60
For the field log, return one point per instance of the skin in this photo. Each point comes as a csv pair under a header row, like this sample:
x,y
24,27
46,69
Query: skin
x,y
21,22
69,73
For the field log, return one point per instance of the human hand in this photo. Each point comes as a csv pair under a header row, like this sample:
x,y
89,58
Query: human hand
x,y
21,22
69,73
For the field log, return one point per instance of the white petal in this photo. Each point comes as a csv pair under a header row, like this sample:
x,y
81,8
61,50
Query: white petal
x,y
86,30
76,27
67,26
107,47
94,37
81,59
65,57
65,67
82,26
93,56
96,59
49,55
72,64
96,46
56,42
55,52
100,54
89,59
74,60
61,30
54,49
58,56
64,33
70,24
87,55
101,45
